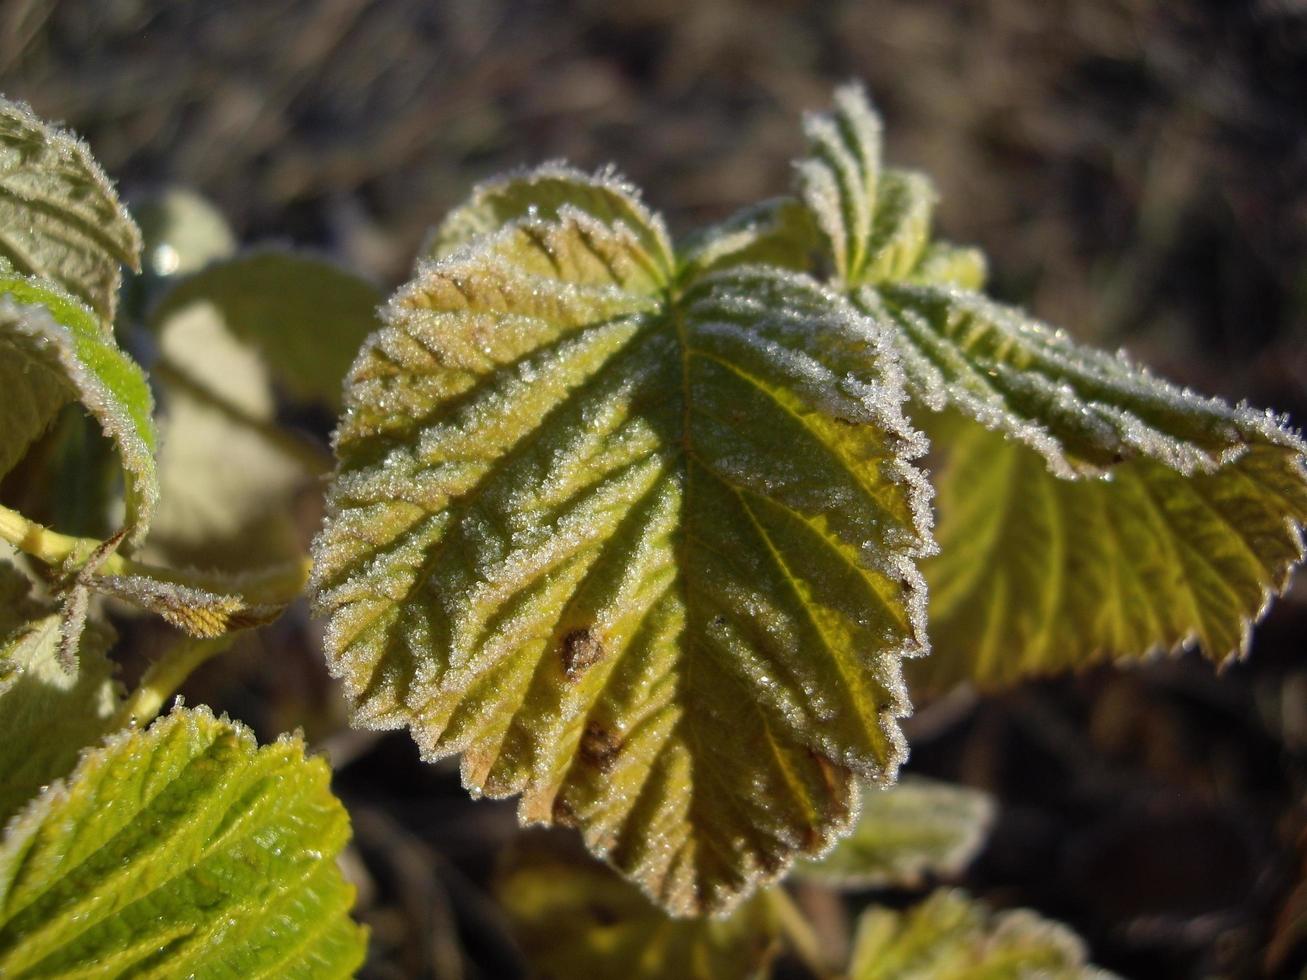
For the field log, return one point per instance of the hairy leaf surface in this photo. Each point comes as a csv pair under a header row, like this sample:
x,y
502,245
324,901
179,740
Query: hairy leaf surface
x,y
575,918
1045,565
59,216
917,827
47,714
52,351
306,316
1038,574
643,553
951,937
185,850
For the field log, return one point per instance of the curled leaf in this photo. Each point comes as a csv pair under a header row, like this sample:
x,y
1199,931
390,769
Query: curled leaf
x,y
184,850
643,554
52,351
59,216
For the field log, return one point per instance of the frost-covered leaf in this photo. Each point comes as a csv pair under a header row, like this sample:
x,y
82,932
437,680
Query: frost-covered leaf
x,y
778,233
59,216
184,850
1198,521
227,490
1037,574
47,714
951,937
199,612
53,351
905,832
575,918
644,556
306,316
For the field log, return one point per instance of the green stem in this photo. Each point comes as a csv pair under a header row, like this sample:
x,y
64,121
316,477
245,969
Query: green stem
x,y
272,587
165,676
798,932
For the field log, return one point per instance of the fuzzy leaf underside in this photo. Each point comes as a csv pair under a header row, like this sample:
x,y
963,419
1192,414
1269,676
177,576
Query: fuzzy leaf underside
x,y
575,918
185,850
905,832
1044,565
1037,574
306,316
53,351
47,714
951,937
59,216
646,561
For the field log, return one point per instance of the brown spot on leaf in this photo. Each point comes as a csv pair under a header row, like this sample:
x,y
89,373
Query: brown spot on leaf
x,y
600,746
563,813
580,650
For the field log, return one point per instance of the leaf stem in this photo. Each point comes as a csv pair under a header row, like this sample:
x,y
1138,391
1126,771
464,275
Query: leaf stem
x,y
272,586
165,676
798,932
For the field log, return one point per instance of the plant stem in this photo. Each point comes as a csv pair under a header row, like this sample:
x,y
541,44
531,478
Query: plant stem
x,y
270,587
797,930
165,675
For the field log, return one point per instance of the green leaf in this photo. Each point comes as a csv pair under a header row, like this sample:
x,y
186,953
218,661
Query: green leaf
x,y
576,918
185,850
182,232
905,832
306,316
59,216
1037,574
227,482
644,555
52,351
778,233
951,937
47,715
1176,517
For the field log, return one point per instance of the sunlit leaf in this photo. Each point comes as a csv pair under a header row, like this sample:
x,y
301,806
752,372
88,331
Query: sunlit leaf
x,y
1037,574
47,714
227,483
575,918
307,317
642,554
1195,526
185,850
951,937
59,216
182,232
905,832
778,233
53,351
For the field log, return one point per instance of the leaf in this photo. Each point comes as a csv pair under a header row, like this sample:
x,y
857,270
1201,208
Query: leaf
x,y
575,918
306,316
52,351
46,714
199,612
59,216
228,488
951,937
643,555
1195,518
182,232
1037,574
777,233
905,832
185,850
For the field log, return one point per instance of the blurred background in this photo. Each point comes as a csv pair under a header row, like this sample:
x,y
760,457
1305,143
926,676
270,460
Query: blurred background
x,y
1136,171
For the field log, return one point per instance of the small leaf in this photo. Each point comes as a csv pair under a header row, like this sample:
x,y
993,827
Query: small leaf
x,y
1037,574
306,316
778,233
182,232
47,715
905,832
575,918
642,554
185,850
951,937
53,351
199,612
59,216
